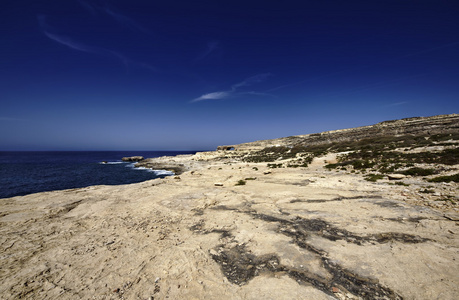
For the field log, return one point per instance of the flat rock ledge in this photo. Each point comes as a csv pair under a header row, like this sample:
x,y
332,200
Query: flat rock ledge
x,y
177,168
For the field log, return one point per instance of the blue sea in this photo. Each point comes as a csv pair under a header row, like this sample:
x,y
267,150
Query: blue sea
x,y
23,173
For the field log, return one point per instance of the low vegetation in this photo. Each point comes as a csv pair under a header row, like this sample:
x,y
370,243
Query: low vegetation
x,y
298,156
401,183
448,178
373,177
376,154
388,155
374,157
419,172
448,198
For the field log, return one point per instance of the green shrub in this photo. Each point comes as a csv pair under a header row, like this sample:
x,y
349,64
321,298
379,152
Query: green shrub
x,y
401,183
362,164
419,172
331,166
241,182
373,177
448,178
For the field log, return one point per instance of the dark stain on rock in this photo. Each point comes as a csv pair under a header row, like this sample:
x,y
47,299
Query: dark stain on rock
x,y
198,227
312,201
360,286
303,228
388,204
298,183
300,229
285,213
198,211
359,197
239,266
335,199
268,218
224,233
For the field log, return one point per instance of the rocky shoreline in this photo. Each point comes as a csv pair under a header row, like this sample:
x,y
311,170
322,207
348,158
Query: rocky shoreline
x,y
229,227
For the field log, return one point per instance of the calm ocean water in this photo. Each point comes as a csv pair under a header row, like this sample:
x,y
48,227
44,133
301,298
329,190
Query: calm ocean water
x,y
23,173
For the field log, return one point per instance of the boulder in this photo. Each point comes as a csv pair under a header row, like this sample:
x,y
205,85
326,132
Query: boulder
x,y
395,176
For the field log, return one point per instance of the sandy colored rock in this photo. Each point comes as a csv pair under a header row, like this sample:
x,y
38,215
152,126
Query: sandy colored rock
x,y
395,176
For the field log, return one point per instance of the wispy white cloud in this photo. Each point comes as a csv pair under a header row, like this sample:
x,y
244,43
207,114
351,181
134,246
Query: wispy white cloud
x,y
259,94
396,104
251,80
75,45
64,40
213,96
70,43
235,89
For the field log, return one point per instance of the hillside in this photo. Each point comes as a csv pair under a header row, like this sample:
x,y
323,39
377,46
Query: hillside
x,y
419,126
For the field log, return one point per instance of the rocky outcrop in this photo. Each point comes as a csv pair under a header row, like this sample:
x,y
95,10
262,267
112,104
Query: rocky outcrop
x,y
177,168
419,126
225,148
133,158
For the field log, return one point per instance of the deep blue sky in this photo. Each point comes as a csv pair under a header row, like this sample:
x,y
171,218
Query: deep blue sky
x,y
154,75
